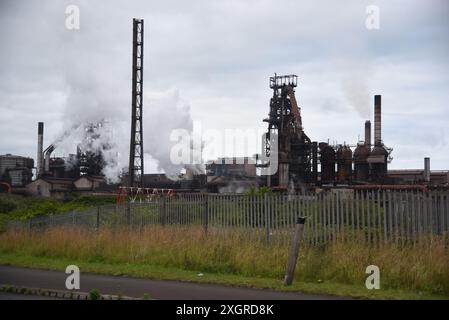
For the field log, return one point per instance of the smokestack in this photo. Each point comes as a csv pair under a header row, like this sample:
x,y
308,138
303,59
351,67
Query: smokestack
x,y
367,133
47,153
427,169
377,121
40,149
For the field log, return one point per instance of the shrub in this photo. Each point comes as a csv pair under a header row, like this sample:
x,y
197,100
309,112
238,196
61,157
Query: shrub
x,y
94,294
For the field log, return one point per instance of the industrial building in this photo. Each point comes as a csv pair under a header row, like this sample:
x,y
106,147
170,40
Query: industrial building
x,y
422,176
232,175
15,172
86,160
55,176
303,164
306,164
60,187
232,167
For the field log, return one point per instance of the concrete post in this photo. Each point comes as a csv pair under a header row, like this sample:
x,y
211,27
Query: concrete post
x,y
294,251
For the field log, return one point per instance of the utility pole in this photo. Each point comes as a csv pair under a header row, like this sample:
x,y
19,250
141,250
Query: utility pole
x,y
136,145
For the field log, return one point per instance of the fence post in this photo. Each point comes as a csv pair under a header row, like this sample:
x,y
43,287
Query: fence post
x,y
205,213
267,217
128,213
294,251
162,210
98,219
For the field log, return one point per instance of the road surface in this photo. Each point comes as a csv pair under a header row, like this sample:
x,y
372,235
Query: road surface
x,y
135,287
14,296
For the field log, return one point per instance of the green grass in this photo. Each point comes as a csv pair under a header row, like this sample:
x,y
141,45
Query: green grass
x,y
166,273
18,207
236,258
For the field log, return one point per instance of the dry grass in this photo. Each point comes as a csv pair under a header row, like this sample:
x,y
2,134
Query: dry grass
x,y
423,267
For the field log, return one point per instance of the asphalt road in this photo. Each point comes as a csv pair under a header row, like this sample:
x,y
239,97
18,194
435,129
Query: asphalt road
x,y
13,296
135,287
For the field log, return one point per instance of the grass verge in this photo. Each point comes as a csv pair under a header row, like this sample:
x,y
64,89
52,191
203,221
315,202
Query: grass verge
x,y
237,257
165,273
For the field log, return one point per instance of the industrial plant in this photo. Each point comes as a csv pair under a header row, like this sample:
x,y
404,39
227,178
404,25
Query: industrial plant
x,y
304,165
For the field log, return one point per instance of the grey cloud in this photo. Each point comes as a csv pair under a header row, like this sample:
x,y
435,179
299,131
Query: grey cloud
x,y
219,55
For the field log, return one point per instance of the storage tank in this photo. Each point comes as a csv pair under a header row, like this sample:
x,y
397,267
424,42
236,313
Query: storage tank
x,y
379,160
327,159
344,164
361,165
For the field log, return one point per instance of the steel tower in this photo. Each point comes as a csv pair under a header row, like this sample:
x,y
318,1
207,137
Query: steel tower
x,y
136,145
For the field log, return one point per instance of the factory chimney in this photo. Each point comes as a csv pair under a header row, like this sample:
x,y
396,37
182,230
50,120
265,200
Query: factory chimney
x,y
427,169
40,149
368,133
377,121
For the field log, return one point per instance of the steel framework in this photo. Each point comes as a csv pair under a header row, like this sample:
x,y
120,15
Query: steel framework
x,y
296,153
136,145
141,194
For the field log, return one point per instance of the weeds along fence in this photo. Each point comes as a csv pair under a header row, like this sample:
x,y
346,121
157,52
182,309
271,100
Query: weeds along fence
x,y
382,216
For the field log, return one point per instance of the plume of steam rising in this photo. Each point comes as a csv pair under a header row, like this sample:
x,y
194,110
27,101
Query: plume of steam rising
x,y
355,83
234,186
98,93
355,88
168,112
165,112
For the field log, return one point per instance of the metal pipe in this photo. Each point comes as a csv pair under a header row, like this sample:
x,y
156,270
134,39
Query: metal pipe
x,y
377,121
40,148
47,153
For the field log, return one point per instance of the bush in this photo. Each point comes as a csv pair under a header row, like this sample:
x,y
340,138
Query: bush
x,y
15,207
94,294
6,205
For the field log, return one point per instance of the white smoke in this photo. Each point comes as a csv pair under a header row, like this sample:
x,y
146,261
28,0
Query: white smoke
x,y
355,83
98,86
356,90
164,113
235,186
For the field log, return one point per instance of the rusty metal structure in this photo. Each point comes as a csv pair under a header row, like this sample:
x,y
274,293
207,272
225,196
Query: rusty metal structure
x,y
379,157
298,157
361,154
136,143
296,151
361,166
88,159
327,160
344,164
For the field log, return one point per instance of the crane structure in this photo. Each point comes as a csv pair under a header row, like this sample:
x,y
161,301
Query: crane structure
x,y
136,144
297,154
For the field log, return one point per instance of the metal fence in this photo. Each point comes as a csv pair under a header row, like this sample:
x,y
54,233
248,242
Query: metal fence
x,y
382,216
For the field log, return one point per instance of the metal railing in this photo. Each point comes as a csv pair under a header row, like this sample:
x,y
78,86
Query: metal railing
x,y
376,216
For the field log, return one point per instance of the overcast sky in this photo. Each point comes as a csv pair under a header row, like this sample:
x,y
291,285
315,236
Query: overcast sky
x,y
209,61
